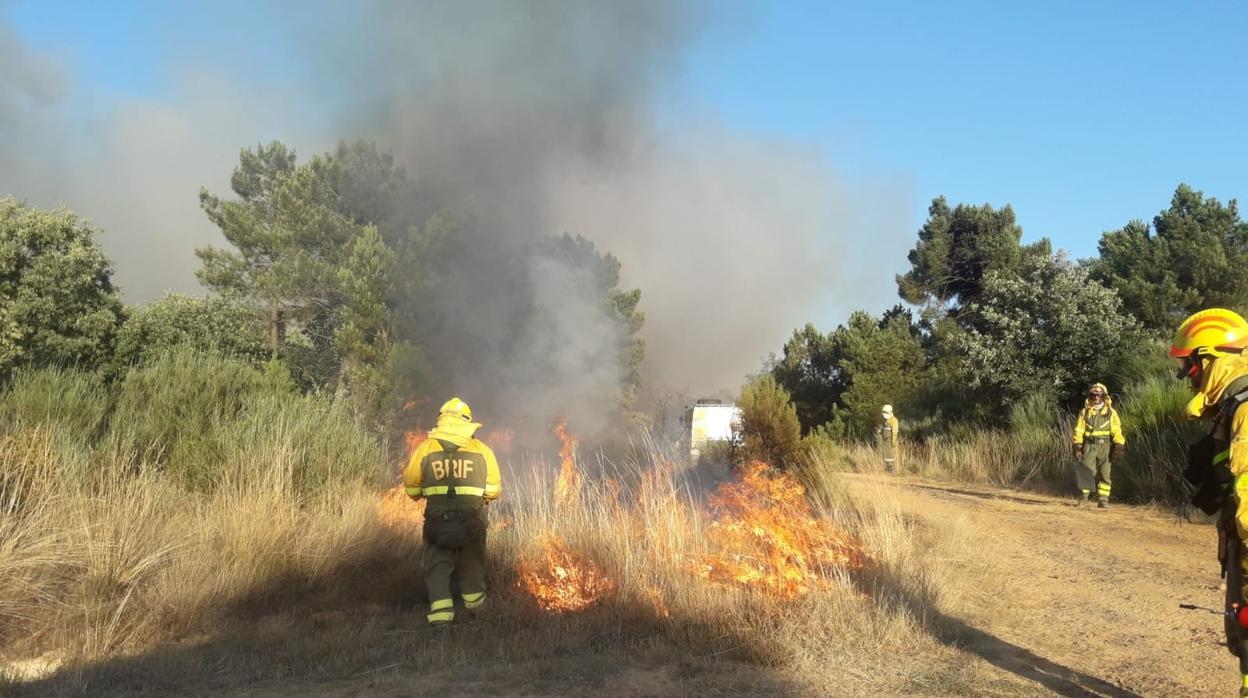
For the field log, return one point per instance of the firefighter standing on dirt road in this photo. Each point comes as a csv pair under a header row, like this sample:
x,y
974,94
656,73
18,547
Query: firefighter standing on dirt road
x,y
886,434
1098,443
1207,346
457,474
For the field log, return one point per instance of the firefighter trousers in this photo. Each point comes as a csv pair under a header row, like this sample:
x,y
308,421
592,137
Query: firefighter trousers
x,y
1096,459
466,565
1234,556
888,450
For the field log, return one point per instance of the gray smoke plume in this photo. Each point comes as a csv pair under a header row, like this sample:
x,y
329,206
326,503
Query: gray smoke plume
x,y
28,82
133,167
534,118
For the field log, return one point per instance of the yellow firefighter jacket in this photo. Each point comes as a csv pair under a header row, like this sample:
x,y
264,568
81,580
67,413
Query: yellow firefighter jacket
x,y
1099,424
888,428
1224,377
453,469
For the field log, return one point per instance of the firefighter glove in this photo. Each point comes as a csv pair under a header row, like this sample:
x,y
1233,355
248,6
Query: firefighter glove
x,y
1078,451
1118,452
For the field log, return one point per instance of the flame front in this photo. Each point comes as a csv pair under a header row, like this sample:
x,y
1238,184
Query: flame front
x,y
501,440
767,537
397,510
655,597
561,580
569,478
414,438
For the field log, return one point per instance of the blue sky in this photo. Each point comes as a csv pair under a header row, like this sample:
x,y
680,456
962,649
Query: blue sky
x,y
1082,115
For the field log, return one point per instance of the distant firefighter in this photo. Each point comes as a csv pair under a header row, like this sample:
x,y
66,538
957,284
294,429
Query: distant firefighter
x,y
458,475
1098,442
886,435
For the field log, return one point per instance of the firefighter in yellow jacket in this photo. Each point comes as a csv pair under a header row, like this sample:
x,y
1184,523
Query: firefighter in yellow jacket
x,y
457,474
1098,443
886,434
1207,346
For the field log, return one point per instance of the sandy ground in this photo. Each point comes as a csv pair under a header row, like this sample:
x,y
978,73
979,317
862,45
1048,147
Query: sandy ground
x,y
1093,595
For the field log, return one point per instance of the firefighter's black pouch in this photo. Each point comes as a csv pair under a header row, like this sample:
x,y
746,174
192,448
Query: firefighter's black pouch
x,y
453,529
1212,484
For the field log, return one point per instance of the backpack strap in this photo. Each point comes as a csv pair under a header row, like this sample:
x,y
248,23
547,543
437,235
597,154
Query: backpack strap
x,y
450,447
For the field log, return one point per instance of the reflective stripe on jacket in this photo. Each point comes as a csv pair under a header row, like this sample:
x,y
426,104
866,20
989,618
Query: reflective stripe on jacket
x,y
441,469
1099,424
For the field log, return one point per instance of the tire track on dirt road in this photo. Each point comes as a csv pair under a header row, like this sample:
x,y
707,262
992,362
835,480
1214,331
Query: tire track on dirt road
x,y
1094,592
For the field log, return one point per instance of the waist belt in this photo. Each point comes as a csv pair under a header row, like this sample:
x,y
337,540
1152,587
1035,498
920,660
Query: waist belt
x,y
460,490
1097,439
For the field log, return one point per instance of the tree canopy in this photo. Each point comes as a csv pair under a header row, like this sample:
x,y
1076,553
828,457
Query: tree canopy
x,y
1049,330
842,378
58,305
957,248
1193,256
307,252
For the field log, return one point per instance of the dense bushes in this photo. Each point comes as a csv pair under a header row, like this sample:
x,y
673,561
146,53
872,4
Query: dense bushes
x,y
58,305
215,324
200,419
769,427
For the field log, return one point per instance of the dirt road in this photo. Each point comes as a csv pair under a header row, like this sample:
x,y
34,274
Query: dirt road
x,y
1094,595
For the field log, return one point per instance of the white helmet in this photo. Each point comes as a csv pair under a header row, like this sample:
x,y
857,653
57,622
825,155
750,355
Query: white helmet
x,y
887,411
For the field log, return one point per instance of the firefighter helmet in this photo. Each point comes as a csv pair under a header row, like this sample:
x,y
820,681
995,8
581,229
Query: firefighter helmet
x,y
456,408
1216,330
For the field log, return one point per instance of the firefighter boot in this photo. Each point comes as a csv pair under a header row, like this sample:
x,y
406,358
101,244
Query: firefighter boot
x,y
1083,500
1102,504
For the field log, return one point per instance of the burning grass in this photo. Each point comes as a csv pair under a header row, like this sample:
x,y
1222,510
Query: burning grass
x,y
766,535
569,480
647,566
560,579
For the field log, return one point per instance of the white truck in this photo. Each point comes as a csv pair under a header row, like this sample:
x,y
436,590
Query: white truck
x,y
709,423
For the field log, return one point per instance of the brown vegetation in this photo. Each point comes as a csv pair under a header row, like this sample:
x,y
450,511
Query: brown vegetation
x,y
128,582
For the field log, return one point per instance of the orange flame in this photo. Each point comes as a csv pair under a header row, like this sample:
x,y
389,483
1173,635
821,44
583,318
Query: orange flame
x,y
656,602
414,438
500,440
398,511
569,478
561,580
767,537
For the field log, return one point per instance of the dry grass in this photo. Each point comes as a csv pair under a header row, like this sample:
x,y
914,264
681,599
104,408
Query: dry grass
x,y
132,583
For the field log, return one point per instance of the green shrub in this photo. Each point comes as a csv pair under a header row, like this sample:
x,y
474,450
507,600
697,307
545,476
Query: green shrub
x,y
1153,402
213,325
71,405
310,441
1157,440
823,447
73,401
171,410
769,422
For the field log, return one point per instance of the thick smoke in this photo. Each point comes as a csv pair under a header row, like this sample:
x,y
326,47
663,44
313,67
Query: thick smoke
x,y
133,167
530,119
28,82
541,117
